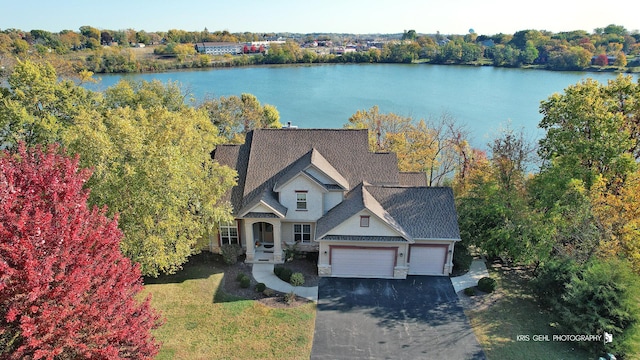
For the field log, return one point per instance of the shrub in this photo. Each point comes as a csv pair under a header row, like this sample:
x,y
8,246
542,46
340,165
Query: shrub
x,y
278,270
245,282
289,298
260,287
268,292
487,284
603,297
291,252
296,279
470,291
240,276
552,279
462,259
285,275
230,253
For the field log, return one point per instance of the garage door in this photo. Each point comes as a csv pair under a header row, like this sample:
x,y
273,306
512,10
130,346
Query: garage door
x,y
427,260
364,263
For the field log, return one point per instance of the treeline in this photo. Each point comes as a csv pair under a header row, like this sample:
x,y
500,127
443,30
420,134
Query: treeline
x,y
108,51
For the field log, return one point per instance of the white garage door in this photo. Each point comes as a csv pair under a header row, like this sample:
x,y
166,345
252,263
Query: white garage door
x,y
427,260
363,263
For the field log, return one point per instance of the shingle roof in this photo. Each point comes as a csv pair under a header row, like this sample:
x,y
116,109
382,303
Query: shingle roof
x,y
356,200
412,179
312,158
273,151
268,198
424,212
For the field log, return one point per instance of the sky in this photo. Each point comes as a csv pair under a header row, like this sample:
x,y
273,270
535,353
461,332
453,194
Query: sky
x,y
487,17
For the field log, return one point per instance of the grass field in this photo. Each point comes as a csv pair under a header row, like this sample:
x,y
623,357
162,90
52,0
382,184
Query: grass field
x,y
204,323
498,319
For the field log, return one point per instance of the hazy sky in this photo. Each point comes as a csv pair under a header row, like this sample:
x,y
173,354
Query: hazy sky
x,y
486,17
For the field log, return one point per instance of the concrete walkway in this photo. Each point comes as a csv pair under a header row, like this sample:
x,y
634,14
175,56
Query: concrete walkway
x,y
477,271
263,273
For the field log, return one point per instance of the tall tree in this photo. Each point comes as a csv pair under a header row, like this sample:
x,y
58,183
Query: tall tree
x,y
153,166
37,106
66,291
234,116
435,146
593,129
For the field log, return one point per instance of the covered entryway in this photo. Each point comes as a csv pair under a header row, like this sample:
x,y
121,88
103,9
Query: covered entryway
x,y
263,233
427,259
362,262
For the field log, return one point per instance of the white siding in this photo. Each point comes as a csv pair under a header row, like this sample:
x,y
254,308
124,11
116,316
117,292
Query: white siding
x,y
352,227
314,199
331,199
261,208
320,176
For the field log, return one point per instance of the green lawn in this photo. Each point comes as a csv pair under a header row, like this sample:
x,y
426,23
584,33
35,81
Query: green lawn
x,y
203,323
512,311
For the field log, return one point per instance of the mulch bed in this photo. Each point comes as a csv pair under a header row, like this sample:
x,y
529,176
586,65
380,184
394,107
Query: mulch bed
x,y
232,287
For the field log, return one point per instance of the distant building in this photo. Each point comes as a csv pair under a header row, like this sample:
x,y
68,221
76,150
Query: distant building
x,y
219,48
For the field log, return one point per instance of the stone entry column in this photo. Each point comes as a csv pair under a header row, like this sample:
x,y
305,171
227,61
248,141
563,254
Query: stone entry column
x,y
277,243
248,239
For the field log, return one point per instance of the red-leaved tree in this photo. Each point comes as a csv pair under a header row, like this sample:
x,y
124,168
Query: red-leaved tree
x,y
66,291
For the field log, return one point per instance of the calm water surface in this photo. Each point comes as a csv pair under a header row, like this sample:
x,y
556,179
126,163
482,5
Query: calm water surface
x,y
484,99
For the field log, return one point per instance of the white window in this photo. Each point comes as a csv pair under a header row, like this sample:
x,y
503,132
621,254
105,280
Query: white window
x,y
302,232
301,200
228,234
364,221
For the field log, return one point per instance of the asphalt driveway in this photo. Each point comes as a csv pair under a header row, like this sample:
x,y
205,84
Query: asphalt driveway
x,y
416,318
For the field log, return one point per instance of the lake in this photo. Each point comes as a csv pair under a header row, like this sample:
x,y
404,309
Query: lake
x,y
484,98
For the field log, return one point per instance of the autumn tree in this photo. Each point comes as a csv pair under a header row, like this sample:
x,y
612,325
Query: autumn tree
x,y
592,146
495,213
66,291
37,106
434,146
234,116
593,129
151,155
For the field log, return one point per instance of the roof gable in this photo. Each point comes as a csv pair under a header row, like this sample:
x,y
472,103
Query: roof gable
x,y
274,152
312,160
425,212
357,200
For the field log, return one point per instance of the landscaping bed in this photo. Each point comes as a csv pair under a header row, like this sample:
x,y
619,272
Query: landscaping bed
x,y
232,287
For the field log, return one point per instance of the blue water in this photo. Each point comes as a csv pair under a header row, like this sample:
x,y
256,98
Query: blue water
x,y
484,99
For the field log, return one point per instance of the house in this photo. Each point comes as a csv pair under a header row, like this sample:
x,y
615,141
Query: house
x,y
325,191
219,48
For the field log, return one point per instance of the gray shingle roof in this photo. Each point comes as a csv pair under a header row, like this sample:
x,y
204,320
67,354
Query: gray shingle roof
x,y
412,179
356,200
273,151
312,158
268,198
424,212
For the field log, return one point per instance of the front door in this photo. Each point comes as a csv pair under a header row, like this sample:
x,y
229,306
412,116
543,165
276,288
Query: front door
x,y
263,233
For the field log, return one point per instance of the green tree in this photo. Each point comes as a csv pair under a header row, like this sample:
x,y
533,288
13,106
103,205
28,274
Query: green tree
x,y
234,116
152,166
409,35
593,129
495,213
37,106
